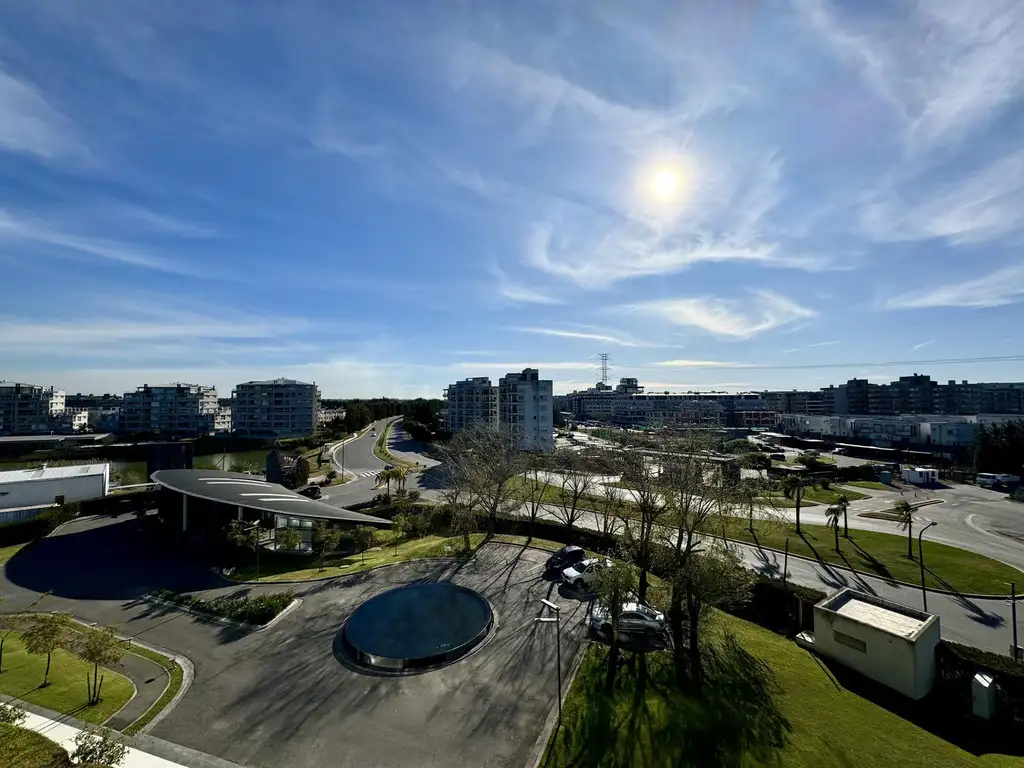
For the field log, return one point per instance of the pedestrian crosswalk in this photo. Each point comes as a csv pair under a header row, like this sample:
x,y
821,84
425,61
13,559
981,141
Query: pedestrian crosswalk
x,y
365,472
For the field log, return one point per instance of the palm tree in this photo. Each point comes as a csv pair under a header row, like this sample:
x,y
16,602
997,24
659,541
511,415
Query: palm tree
x,y
833,513
905,517
844,504
794,485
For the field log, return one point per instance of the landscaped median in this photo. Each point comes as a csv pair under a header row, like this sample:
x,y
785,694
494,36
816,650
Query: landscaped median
x,y
253,611
380,450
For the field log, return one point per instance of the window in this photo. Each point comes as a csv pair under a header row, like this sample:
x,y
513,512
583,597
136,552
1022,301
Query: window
x,y
849,641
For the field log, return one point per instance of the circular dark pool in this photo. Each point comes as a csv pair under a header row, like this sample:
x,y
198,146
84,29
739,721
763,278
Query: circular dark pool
x,y
417,626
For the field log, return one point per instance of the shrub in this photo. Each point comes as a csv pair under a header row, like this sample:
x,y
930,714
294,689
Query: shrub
x,y
27,749
11,714
825,483
956,666
250,610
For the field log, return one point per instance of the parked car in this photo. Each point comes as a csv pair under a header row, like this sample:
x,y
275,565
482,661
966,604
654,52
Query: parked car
x,y
312,492
778,456
565,557
585,571
634,619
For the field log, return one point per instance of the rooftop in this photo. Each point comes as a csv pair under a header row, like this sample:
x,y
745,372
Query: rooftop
x,y
253,492
51,473
891,618
278,381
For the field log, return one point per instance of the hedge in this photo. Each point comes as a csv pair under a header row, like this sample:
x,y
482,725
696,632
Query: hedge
x,y
250,610
22,748
955,667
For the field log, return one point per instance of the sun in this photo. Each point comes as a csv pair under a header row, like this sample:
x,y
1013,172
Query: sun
x,y
665,183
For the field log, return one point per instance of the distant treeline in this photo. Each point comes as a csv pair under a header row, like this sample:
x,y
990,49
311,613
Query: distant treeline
x,y
999,448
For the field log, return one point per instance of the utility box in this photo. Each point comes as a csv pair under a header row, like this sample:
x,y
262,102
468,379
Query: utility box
x,y
983,696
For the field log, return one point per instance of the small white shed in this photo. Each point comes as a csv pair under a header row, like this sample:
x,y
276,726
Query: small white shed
x,y
890,643
45,486
920,475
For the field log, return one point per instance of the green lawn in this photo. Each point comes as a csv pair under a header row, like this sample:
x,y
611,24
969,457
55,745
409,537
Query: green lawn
x,y
885,555
831,496
174,675
767,702
6,553
66,692
22,748
552,494
871,485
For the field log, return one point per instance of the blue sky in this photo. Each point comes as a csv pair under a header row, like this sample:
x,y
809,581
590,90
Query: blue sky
x,y
386,197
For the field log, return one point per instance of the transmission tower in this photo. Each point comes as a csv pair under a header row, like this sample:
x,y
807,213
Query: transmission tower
x,y
603,367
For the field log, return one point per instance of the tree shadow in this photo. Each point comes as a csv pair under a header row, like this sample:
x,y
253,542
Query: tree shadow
x,y
974,611
735,720
876,566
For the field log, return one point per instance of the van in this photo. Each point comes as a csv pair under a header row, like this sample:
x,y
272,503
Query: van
x,y
990,480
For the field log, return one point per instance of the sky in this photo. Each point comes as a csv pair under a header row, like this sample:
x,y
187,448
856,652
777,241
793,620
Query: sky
x,y
387,197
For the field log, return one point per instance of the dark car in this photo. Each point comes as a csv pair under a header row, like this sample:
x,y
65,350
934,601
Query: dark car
x,y
312,492
565,557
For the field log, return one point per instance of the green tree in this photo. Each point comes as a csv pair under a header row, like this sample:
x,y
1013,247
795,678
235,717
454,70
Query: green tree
x,y
793,487
755,460
402,525
46,633
325,538
904,513
844,504
11,714
287,539
101,647
740,445
364,537
243,534
302,471
613,587
834,514
99,746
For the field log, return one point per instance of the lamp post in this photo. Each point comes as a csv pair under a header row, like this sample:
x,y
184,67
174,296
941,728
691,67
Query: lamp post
x,y
1013,619
920,559
558,648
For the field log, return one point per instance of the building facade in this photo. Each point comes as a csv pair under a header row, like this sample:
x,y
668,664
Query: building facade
x,y
27,409
278,408
526,408
470,401
173,409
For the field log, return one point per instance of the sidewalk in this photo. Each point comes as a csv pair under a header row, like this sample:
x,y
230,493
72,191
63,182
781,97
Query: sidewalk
x,y
65,734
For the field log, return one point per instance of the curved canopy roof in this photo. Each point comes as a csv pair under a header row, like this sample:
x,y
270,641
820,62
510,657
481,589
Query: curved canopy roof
x,y
253,492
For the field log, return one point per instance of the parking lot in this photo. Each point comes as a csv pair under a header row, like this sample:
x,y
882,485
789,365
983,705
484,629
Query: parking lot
x,y
282,698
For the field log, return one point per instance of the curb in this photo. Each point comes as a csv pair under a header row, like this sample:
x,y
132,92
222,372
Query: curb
x,y
220,619
81,519
934,591
548,731
353,573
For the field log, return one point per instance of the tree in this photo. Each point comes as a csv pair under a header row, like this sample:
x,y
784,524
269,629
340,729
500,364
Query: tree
x,y
101,647
402,525
99,746
793,487
243,534
844,504
905,517
46,633
576,482
834,514
331,475
530,493
755,460
364,537
11,714
740,445
9,623
302,471
287,538
609,510
325,538
389,475
640,517
613,587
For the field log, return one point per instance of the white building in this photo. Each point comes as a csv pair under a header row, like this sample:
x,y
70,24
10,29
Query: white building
x,y
526,407
174,409
920,475
470,401
26,409
21,488
278,408
890,643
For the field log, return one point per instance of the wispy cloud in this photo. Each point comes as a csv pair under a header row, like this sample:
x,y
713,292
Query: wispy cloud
x,y
734,318
618,340
698,364
822,344
790,351
29,124
1004,286
923,344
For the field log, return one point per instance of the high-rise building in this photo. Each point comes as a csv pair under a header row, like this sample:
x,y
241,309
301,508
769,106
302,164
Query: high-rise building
x,y
279,408
172,409
526,407
470,401
27,409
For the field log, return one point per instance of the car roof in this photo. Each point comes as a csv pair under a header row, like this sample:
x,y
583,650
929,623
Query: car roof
x,y
571,548
638,607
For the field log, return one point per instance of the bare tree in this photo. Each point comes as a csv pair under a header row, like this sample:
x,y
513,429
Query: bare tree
x,y
101,647
640,517
530,493
609,510
576,481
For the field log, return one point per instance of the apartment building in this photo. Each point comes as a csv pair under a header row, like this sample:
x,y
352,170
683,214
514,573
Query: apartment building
x,y
278,408
664,409
172,409
470,401
597,402
526,406
27,409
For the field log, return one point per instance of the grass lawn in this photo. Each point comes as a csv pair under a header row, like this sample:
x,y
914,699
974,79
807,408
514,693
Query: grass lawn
x,y
768,702
6,553
831,496
174,674
885,555
552,494
66,692
871,485
22,748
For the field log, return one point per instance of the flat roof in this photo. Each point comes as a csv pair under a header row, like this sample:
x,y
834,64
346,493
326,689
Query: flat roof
x,y
253,492
51,473
889,617
79,438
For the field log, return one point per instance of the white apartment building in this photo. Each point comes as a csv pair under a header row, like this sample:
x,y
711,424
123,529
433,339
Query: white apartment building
x,y
172,409
278,408
26,409
526,407
471,401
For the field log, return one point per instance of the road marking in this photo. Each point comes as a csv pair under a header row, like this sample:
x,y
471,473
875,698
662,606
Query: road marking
x,y
970,521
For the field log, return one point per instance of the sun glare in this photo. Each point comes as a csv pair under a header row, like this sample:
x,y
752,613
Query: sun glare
x,y
665,184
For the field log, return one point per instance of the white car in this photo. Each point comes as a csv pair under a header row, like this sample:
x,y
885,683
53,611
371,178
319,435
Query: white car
x,y
634,619
585,571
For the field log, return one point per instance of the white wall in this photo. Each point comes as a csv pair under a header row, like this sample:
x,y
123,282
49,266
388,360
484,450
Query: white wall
x,y
903,665
29,493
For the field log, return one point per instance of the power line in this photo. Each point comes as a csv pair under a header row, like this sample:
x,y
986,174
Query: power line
x,y
812,366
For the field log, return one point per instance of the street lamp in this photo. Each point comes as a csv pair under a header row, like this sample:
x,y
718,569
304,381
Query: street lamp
x,y
1013,617
920,559
558,647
